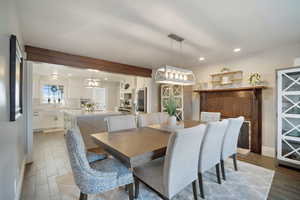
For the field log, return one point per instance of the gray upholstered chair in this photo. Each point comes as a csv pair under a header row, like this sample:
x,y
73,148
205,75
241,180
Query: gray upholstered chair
x,y
118,123
210,116
178,169
229,146
210,150
97,176
152,118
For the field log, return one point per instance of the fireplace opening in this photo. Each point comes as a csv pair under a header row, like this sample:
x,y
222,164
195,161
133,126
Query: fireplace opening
x,y
244,140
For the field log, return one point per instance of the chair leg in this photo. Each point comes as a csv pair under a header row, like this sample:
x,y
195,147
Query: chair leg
x,y
195,190
200,179
234,162
223,170
83,196
218,173
137,187
130,191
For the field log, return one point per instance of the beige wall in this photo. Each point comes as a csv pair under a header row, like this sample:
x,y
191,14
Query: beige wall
x,y
264,63
12,142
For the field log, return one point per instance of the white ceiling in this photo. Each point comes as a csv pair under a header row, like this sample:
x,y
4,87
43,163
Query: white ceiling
x,y
135,32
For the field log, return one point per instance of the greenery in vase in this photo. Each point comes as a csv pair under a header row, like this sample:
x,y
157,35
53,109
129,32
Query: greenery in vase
x,y
171,106
255,79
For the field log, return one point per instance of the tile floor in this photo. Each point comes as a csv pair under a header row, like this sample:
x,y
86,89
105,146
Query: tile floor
x,y
50,160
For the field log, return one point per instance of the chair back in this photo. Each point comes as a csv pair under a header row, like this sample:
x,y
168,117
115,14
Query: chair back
x,y
77,154
152,118
210,116
211,147
231,137
118,123
181,160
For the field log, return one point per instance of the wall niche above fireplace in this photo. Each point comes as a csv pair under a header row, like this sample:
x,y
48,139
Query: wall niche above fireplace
x,y
235,102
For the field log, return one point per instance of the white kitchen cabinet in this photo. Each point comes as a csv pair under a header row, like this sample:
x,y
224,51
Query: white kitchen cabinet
x,y
288,116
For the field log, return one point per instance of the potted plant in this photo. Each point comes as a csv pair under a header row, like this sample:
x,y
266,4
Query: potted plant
x,y
171,109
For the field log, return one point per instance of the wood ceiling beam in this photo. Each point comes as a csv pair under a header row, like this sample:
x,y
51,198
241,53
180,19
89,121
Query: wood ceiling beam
x,y
55,57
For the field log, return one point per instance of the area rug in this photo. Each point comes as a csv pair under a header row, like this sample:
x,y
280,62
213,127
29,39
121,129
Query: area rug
x,y
249,183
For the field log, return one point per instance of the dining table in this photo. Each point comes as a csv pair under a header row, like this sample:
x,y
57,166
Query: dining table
x,y
135,147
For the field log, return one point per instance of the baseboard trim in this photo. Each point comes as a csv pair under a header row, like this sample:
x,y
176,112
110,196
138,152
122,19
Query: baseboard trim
x,y
268,151
20,183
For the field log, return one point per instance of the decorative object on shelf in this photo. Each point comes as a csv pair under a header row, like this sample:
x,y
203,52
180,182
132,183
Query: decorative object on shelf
x,y
174,75
227,78
16,72
92,83
225,69
126,86
288,117
171,110
176,92
255,79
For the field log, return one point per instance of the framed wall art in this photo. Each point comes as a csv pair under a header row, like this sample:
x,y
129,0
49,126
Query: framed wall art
x,y
16,78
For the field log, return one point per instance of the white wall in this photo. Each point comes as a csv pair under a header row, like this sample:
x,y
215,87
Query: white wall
x,y
264,63
12,134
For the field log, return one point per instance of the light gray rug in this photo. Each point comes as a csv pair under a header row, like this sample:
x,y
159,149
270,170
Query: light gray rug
x,y
249,183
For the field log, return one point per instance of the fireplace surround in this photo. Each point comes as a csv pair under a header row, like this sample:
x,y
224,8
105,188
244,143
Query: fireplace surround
x,y
235,102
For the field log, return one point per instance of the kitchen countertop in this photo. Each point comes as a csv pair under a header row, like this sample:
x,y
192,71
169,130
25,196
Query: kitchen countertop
x,y
82,113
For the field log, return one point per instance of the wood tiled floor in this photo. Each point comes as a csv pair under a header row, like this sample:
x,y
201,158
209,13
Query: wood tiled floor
x,y
51,160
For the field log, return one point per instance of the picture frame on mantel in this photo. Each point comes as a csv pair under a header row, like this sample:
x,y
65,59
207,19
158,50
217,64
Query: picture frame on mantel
x,y
16,79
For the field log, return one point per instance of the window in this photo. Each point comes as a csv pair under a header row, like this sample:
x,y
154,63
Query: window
x,y
53,94
99,98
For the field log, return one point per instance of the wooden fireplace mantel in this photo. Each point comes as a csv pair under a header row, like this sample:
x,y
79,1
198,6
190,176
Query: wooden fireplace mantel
x,y
232,89
235,102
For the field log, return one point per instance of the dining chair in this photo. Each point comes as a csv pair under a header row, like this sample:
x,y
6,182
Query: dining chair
x,y
152,118
210,150
96,176
169,175
210,116
229,146
121,122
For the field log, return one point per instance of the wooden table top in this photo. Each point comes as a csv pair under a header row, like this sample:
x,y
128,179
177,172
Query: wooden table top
x,y
137,146
134,142
179,125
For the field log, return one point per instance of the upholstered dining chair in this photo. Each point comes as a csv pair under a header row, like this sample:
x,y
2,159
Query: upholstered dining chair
x,y
210,116
98,176
210,150
152,118
118,123
229,146
178,169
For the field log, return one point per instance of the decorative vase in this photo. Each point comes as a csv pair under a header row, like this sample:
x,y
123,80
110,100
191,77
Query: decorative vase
x,y
172,121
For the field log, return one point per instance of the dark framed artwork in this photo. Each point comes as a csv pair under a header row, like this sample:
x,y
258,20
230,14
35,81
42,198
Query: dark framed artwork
x,y
16,76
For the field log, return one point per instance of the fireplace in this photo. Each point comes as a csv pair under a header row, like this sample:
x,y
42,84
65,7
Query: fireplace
x,y
244,141
235,102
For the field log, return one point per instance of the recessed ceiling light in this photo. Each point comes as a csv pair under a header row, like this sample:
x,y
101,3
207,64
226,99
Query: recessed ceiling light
x,y
92,70
201,58
236,50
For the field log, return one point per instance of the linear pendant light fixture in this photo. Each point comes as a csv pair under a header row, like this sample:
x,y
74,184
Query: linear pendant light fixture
x,y
174,75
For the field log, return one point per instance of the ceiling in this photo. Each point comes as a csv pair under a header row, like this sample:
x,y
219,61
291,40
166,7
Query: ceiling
x,y
135,32
65,72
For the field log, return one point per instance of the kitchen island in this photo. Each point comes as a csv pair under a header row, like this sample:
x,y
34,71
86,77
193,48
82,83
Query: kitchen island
x,y
87,122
